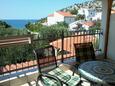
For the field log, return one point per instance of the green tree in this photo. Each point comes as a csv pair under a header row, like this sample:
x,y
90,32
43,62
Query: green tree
x,y
3,24
74,11
80,17
34,27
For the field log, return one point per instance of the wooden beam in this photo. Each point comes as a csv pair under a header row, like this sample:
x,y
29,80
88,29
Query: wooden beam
x,y
107,27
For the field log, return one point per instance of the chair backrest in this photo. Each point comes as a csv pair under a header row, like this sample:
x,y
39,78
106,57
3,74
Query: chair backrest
x,y
46,59
84,51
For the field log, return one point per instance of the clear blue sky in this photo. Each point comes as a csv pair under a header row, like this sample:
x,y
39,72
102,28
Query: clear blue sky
x,y
32,9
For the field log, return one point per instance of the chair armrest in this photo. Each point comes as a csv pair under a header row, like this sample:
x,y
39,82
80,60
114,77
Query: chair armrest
x,y
52,77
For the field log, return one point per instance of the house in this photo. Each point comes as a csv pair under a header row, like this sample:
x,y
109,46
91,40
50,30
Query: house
x,y
97,16
75,26
90,14
88,24
81,24
60,16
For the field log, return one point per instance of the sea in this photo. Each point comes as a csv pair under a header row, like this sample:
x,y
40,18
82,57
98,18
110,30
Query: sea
x,y
19,24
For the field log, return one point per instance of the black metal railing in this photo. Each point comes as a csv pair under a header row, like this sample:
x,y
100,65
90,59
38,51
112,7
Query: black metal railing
x,y
14,58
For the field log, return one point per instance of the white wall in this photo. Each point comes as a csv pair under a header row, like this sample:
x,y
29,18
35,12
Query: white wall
x,y
111,41
58,17
81,11
69,20
104,18
97,16
51,21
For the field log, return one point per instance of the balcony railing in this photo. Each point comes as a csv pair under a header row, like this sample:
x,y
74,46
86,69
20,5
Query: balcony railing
x,y
19,57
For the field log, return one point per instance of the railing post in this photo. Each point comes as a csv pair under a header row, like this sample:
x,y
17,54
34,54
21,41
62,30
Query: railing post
x,y
62,46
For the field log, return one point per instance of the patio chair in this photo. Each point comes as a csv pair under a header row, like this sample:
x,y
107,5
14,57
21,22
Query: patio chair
x,y
46,61
84,52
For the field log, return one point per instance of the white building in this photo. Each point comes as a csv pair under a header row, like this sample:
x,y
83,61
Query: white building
x,y
75,25
81,24
89,13
60,17
98,16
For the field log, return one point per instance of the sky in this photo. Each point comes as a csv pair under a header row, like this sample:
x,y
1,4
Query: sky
x,y
32,9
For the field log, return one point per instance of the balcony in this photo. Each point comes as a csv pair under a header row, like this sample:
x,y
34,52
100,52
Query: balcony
x,y
20,65
17,70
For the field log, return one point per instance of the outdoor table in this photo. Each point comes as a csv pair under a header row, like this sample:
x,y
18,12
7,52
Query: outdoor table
x,y
101,72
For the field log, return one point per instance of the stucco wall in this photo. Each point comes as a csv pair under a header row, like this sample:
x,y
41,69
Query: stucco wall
x,y
69,20
58,17
51,21
111,41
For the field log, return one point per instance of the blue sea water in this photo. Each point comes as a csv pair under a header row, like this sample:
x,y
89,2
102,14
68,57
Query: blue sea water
x,y
19,24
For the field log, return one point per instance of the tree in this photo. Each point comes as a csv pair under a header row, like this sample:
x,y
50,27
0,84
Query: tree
x,y
34,27
4,24
42,20
74,11
98,24
80,17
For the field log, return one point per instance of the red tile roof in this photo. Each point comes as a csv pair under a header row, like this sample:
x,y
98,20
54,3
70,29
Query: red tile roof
x,y
65,13
51,15
89,23
61,13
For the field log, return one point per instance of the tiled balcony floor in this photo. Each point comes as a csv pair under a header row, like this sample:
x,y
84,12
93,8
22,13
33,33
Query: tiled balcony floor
x,y
29,81
71,60
33,83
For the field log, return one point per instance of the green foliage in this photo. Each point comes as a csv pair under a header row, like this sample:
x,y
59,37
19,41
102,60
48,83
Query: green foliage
x,y
14,54
74,11
93,29
48,32
98,24
5,32
4,24
34,27
42,20
80,17
21,53
53,32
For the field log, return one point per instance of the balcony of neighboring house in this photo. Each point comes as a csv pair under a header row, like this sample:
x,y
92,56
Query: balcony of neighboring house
x,y
20,67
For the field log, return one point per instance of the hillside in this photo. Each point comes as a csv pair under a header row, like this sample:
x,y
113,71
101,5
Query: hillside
x,y
89,5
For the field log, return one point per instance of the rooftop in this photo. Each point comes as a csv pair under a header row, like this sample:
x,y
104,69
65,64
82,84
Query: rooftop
x,y
64,13
61,13
89,23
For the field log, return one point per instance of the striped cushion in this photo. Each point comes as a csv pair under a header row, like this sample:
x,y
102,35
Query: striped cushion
x,y
73,81
49,82
65,77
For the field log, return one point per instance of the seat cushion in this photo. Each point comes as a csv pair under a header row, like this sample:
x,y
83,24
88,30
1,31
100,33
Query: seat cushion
x,y
73,81
49,82
65,77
